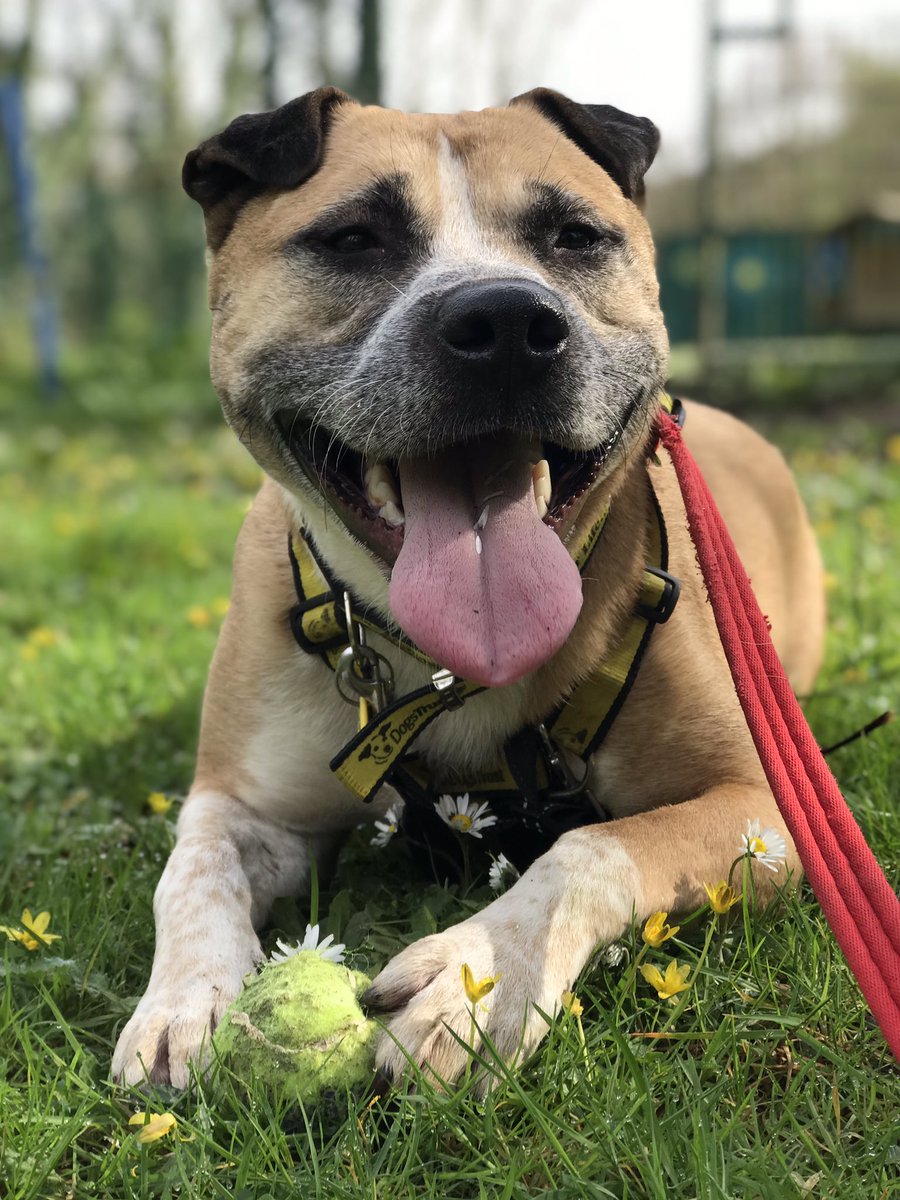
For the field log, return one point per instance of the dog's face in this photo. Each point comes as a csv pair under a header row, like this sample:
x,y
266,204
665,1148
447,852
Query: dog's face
x,y
446,326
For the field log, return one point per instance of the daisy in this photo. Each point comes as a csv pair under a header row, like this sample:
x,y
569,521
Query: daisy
x,y
463,815
310,941
501,872
768,846
612,955
389,826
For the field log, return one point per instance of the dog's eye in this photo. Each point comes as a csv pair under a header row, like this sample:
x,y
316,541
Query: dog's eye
x,y
355,239
577,237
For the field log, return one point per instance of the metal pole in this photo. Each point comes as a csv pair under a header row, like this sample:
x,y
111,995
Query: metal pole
x,y
12,127
712,292
711,317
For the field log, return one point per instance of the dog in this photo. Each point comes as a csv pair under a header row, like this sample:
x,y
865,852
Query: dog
x,y
441,339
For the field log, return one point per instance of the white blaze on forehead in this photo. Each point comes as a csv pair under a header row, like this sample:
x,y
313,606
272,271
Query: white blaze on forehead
x,y
459,234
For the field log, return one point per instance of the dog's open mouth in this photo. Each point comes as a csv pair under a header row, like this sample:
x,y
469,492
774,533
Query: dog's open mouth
x,y
481,579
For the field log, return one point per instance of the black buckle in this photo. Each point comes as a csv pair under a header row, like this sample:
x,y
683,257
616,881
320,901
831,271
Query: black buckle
x,y
678,413
665,606
296,620
566,793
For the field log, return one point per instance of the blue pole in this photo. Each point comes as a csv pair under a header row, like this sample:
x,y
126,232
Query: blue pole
x,y
12,126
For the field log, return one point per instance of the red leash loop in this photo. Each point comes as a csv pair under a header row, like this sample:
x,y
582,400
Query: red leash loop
x,y
861,908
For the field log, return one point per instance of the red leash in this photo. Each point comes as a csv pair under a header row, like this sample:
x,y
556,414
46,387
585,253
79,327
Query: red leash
x,y
861,908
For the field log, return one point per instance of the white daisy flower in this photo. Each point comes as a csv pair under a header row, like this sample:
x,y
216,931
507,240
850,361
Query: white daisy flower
x,y
461,814
388,826
501,873
767,846
612,955
310,941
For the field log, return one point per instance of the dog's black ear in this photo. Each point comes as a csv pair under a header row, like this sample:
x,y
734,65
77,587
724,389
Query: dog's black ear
x,y
623,145
278,149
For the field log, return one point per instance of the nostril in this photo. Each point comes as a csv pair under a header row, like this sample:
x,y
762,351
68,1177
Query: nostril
x,y
469,332
547,331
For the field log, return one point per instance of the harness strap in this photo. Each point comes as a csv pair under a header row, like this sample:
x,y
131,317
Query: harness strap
x,y
317,620
584,721
372,754
319,625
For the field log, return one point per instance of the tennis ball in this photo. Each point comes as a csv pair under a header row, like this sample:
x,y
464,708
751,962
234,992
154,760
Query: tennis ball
x,y
298,1027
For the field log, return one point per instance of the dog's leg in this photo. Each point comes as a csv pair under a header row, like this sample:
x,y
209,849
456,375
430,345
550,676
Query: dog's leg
x,y
540,934
227,867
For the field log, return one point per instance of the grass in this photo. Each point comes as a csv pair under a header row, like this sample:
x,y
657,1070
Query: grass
x,y
118,510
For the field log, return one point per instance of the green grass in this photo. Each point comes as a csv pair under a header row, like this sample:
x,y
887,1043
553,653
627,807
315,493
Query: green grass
x,y
117,536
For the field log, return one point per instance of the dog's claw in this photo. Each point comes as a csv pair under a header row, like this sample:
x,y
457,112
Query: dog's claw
x,y
401,979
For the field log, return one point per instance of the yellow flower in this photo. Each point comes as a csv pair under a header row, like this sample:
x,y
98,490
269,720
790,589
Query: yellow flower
x,y
159,803
35,932
656,931
19,935
572,1004
29,652
477,991
37,926
43,637
198,616
870,517
721,896
64,524
669,985
152,1127
220,606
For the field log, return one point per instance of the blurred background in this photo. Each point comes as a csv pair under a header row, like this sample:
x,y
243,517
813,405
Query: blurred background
x,y
775,200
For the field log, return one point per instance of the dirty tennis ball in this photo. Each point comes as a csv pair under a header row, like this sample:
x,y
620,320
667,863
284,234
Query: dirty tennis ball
x,y
298,1028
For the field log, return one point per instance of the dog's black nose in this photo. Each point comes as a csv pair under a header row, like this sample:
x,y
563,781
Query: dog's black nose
x,y
502,326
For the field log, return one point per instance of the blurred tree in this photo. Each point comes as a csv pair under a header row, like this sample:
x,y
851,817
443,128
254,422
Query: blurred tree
x,y
807,180
367,83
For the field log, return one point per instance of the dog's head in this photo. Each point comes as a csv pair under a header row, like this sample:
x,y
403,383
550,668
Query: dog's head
x,y
446,326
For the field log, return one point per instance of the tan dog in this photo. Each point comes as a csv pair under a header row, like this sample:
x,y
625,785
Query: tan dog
x,y
451,299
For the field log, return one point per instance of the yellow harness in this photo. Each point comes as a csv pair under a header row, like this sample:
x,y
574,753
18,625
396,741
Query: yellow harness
x,y
531,779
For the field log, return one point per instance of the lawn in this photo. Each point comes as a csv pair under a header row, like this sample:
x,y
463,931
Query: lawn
x,y
118,510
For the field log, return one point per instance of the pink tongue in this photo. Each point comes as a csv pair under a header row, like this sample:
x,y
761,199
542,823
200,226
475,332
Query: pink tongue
x,y
491,616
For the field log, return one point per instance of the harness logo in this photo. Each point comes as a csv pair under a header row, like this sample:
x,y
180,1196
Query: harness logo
x,y
382,745
378,747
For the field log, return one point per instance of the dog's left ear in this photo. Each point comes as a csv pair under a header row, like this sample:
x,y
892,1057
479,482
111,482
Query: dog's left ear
x,y
623,145
278,149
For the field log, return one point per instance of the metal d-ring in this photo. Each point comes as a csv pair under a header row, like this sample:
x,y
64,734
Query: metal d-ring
x,y
360,669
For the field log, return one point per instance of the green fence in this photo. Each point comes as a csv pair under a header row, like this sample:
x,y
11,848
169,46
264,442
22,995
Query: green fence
x,y
777,284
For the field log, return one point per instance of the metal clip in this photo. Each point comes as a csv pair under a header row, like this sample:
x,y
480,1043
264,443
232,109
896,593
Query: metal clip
x,y
444,683
563,784
362,671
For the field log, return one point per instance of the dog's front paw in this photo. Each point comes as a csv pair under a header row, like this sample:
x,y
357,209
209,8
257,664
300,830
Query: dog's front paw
x,y
423,994
172,1027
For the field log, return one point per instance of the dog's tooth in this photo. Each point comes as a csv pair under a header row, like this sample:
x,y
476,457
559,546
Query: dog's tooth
x,y
542,484
392,513
381,487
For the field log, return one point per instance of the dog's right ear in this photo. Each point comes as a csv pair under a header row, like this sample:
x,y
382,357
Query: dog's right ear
x,y
278,149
